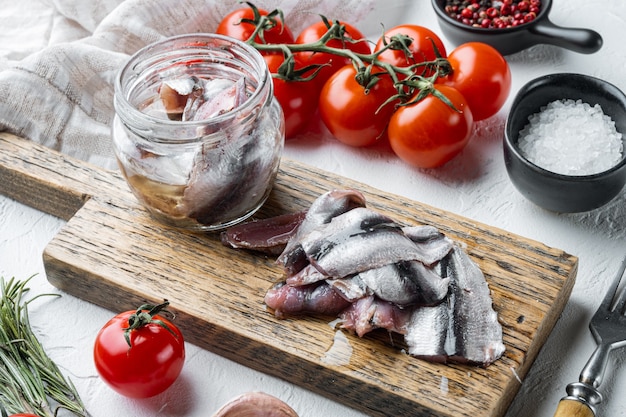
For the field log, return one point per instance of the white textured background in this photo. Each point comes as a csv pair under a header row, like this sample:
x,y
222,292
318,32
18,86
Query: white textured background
x,y
474,185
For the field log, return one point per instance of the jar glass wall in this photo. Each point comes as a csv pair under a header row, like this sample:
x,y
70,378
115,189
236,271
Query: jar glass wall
x,y
198,134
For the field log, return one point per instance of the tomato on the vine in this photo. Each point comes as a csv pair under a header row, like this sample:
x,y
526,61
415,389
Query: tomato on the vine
x,y
139,353
424,47
482,75
429,133
298,99
354,115
233,26
355,41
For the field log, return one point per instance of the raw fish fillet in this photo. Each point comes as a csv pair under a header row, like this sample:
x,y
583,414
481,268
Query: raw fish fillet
x,y
350,288
233,170
434,244
370,313
319,298
266,235
463,329
406,283
348,260
359,240
322,210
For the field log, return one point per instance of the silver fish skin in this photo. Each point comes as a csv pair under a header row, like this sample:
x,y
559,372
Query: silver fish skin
x,y
223,101
199,92
179,93
350,288
356,241
226,173
323,209
480,338
306,276
342,228
427,332
184,86
357,221
422,233
406,283
434,244
464,329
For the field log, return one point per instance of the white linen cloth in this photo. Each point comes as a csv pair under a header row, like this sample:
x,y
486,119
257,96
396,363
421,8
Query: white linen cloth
x,y
58,90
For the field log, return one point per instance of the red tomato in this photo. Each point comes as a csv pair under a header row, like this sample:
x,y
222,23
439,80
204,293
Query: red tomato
x,y
24,415
232,25
430,133
150,364
352,114
298,99
421,47
333,63
482,75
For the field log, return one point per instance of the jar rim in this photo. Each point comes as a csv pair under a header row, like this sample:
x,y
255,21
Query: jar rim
x,y
197,41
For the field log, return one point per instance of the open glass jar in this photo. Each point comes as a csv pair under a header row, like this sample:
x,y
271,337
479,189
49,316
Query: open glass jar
x,y
197,133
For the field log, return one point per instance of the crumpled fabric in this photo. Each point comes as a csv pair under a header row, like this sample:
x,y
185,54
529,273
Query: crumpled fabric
x,y
59,92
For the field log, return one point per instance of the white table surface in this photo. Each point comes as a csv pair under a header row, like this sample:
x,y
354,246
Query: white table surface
x,y
474,185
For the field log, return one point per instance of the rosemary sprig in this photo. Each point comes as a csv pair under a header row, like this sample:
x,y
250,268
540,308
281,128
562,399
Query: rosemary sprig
x,y
30,382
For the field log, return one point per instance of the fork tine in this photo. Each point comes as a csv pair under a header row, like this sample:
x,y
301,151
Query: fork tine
x,y
608,302
620,302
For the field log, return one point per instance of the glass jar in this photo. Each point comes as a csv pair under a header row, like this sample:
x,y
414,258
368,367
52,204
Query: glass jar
x,y
197,133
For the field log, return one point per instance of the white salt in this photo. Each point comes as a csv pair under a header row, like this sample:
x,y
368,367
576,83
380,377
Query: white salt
x,y
571,138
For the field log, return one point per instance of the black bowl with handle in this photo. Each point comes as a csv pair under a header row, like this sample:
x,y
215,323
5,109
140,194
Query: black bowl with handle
x,y
515,39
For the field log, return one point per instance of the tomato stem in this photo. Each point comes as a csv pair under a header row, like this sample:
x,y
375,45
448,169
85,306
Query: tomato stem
x,y
144,316
410,81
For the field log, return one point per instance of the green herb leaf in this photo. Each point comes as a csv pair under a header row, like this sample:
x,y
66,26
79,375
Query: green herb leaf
x,y
29,380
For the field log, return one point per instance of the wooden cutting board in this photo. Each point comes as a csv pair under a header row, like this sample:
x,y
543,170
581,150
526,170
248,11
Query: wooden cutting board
x,y
113,254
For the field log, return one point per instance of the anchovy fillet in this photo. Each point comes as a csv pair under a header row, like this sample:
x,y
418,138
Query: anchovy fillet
x,y
370,313
348,260
357,241
465,328
286,300
406,283
322,211
434,244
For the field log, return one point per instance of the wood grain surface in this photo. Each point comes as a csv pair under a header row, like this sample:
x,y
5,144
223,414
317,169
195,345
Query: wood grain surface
x,y
112,253
573,408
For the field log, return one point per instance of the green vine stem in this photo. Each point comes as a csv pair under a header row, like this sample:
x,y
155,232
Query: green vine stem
x,y
145,315
29,380
410,83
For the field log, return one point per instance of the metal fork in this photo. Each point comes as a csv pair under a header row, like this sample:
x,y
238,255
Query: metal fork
x,y
608,327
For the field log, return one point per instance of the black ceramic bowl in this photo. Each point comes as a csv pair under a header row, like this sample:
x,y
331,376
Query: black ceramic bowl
x,y
510,40
556,192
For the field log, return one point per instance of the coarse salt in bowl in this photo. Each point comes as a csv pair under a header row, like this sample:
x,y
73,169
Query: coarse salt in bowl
x,y
571,137
564,148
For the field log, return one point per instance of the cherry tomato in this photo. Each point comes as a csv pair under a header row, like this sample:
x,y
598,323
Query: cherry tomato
x,y
153,360
482,75
421,48
430,133
333,63
298,99
232,25
353,115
